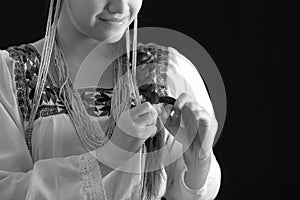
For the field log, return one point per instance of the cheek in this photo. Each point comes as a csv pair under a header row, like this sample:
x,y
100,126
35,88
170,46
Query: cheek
x,y
84,11
135,6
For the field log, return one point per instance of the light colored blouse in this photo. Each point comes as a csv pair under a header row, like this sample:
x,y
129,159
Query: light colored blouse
x,y
60,167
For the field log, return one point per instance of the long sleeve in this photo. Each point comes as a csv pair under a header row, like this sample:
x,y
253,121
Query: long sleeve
x,y
182,76
176,187
74,177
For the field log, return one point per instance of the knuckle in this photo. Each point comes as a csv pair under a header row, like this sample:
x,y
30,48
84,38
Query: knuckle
x,y
153,112
215,123
131,113
152,118
132,110
154,129
191,105
147,105
184,94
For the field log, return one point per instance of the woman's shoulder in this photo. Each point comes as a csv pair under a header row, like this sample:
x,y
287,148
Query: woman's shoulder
x,y
167,59
23,53
159,49
22,62
12,60
19,71
19,58
168,55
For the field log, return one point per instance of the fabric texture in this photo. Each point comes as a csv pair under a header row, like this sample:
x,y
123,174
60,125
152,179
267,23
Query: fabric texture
x,y
60,167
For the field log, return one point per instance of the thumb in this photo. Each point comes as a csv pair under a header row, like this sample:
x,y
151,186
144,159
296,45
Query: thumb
x,y
166,111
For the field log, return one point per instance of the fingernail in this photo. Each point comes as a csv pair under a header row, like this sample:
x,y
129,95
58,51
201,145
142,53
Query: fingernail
x,y
176,114
157,109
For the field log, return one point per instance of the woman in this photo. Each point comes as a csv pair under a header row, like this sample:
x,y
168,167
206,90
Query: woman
x,y
110,141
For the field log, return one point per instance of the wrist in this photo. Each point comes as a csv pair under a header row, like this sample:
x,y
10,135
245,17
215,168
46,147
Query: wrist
x,y
126,142
196,156
197,171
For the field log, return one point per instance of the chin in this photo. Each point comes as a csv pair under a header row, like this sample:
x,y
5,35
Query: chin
x,y
109,37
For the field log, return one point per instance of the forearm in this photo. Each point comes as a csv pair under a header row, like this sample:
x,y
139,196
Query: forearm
x,y
197,170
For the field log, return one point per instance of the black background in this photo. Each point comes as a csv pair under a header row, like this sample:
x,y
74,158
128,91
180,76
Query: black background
x,y
243,38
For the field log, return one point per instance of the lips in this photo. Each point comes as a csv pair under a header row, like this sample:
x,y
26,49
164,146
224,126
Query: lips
x,y
116,20
113,19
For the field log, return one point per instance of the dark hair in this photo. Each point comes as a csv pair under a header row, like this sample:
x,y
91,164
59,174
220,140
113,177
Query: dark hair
x,y
153,179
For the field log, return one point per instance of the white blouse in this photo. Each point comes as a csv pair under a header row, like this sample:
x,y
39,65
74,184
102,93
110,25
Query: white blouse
x,y
61,168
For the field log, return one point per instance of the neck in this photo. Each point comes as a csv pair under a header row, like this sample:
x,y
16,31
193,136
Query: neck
x,y
76,46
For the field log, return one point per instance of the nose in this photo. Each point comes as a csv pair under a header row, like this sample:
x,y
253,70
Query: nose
x,y
118,6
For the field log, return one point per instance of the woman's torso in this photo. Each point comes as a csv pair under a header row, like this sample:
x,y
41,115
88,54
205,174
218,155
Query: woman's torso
x,y
53,132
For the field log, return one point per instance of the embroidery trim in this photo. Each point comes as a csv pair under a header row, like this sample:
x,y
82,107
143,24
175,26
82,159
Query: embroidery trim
x,y
92,186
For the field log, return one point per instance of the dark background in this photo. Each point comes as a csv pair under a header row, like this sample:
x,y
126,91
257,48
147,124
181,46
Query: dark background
x,y
243,38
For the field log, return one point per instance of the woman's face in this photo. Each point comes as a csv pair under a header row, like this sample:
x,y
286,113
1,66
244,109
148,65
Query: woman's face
x,y
102,19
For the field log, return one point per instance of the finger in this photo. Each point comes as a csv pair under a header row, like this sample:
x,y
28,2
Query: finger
x,y
130,127
195,117
194,106
188,116
158,108
149,131
179,103
147,119
166,111
202,116
141,109
198,126
159,123
163,111
191,125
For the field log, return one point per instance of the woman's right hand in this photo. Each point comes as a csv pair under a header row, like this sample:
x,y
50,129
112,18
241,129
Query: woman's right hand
x,y
134,127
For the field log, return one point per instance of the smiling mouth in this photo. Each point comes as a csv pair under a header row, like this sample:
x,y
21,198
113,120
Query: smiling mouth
x,y
114,21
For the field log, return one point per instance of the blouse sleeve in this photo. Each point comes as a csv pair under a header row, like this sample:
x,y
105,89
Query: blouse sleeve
x,y
74,177
182,76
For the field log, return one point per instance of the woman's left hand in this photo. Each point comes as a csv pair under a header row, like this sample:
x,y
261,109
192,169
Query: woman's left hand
x,y
190,124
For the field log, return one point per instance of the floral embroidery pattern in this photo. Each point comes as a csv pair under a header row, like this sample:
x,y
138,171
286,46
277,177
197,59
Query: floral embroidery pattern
x,y
27,61
152,66
25,67
97,101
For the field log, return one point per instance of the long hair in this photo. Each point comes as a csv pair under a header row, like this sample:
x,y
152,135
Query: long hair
x,y
151,179
125,90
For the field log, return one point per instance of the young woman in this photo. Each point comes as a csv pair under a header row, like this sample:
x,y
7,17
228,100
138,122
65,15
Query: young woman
x,y
145,131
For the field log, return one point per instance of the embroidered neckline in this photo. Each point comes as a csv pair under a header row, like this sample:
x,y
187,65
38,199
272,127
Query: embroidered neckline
x,y
152,65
